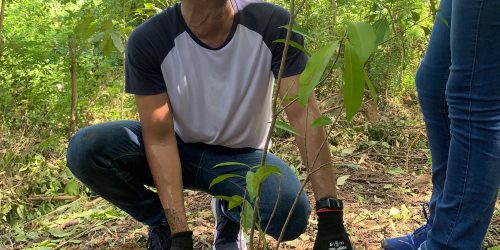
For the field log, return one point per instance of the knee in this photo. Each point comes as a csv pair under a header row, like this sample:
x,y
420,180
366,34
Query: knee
x,y
299,220
82,150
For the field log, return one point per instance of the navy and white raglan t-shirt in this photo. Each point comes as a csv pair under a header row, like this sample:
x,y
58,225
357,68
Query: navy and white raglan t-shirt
x,y
218,96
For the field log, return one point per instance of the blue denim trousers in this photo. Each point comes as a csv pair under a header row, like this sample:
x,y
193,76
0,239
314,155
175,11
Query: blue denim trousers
x,y
458,85
110,160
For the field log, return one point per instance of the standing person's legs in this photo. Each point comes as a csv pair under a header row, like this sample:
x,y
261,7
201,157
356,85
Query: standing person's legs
x,y
464,209
430,81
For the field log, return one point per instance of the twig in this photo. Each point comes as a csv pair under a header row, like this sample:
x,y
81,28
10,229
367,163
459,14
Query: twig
x,y
52,198
407,162
275,101
398,156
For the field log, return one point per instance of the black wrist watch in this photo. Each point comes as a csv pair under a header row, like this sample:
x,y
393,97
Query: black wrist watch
x,y
329,203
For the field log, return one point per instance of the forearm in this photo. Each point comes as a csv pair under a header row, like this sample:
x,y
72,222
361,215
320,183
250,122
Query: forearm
x,y
315,153
164,163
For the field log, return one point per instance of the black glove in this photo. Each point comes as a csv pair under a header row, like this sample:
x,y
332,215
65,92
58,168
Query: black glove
x,y
182,241
331,232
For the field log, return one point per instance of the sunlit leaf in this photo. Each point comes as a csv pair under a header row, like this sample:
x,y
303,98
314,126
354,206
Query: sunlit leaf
x,y
254,180
72,188
117,41
348,151
315,68
265,171
285,126
354,82
58,232
233,201
222,178
342,179
362,39
252,185
322,121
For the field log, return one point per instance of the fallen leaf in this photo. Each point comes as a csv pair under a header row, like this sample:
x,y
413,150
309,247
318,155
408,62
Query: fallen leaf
x,y
342,179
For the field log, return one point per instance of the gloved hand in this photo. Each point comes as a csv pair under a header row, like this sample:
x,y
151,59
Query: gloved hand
x,y
182,241
331,232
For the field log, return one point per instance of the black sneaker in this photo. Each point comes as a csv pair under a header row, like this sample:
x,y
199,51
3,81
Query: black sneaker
x,y
228,235
159,237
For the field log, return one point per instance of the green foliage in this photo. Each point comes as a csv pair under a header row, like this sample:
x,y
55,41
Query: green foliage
x,y
286,127
35,87
314,70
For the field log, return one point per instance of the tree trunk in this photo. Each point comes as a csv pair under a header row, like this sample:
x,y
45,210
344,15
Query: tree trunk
x,y
335,13
74,93
2,15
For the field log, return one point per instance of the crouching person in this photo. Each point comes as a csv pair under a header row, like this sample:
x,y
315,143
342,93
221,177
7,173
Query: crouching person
x,y
202,73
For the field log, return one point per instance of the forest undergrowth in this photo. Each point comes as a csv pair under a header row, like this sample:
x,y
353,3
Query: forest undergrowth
x,y
61,68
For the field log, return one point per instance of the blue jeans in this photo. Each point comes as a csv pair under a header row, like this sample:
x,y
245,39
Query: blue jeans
x,y
110,160
458,85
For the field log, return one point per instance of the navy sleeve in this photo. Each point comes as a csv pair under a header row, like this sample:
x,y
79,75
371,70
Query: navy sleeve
x,y
143,74
296,60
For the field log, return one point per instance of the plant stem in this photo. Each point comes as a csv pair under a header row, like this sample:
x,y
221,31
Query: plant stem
x,y
274,107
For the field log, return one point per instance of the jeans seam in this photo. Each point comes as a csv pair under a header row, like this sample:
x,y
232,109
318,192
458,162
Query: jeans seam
x,y
469,126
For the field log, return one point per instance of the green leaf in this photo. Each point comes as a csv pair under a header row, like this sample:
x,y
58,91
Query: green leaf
x,y
117,41
253,180
443,20
72,188
252,185
426,30
234,201
354,82
58,232
247,215
395,171
265,171
86,28
415,16
297,29
322,121
221,178
362,39
293,44
369,83
315,68
285,126
348,151
97,37
380,27
106,45
230,163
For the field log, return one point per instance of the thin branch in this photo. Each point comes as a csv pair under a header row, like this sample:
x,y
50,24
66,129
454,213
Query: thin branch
x,y
273,122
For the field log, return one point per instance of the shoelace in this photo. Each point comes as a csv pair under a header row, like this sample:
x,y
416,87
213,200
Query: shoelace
x,y
426,216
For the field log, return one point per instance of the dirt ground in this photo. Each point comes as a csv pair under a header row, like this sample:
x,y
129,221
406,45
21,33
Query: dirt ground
x,y
379,204
383,185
